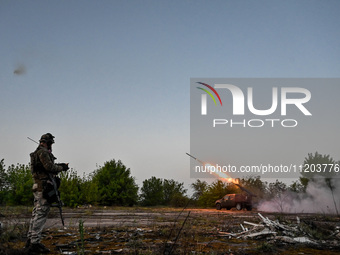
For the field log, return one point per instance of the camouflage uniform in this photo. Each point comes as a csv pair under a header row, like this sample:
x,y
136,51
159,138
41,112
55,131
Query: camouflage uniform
x,y
42,164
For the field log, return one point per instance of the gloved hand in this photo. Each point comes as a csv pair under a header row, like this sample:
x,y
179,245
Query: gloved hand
x,y
64,166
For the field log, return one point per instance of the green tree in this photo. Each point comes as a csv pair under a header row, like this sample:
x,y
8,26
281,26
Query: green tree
x,y
156,191
199,188
152,192
255,185
115,185
173,191
90,190
20,184
3,182
179,200
216,191
71,188
320,166
315,166
298,186
279,195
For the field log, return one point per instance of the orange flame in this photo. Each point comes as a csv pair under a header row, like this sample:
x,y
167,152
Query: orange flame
x,y
223,176
231,180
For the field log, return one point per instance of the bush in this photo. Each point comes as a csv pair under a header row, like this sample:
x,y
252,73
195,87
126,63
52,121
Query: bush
x,y
179,200
115,185
71,188
19,184
152,192
156,191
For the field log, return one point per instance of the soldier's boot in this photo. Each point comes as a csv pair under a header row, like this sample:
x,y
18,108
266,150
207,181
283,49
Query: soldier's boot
x,y
28,243
35,248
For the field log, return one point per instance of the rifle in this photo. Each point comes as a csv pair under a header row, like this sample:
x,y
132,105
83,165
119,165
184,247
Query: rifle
x,y
56,192
59,202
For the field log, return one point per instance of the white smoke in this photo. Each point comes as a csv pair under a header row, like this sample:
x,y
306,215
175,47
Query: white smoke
x,y
318,198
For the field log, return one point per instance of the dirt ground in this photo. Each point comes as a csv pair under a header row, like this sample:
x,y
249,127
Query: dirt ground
x,y
172,231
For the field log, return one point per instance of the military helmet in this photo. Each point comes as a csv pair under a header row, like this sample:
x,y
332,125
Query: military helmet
x,y
47,138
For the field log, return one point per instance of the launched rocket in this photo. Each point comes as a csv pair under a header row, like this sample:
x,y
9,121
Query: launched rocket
x,y
195,158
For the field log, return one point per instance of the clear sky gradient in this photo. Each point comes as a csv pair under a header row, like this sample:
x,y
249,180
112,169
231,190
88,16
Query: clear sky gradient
x,y
110,79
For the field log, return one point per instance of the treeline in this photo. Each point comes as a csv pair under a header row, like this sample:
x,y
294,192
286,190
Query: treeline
x,y
15,185
112,184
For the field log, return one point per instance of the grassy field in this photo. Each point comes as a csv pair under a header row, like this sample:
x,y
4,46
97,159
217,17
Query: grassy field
x,y
139,230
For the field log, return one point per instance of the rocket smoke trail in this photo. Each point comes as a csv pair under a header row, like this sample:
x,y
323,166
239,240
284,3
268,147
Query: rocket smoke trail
x,y
195,158
221,175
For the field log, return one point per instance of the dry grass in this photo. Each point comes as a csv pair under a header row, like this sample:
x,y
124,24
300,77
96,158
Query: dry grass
x,y
139,230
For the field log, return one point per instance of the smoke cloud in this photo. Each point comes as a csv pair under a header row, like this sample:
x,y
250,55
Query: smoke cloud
x,y
20,70
318,198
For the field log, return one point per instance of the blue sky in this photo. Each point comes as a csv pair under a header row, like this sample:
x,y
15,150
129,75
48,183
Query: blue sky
x,y
110,79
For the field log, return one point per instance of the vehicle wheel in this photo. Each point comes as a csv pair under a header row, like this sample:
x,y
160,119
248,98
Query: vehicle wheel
x,y
238,206
218,206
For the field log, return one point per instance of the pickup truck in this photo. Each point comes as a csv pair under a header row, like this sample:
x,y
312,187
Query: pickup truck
x,y
239,201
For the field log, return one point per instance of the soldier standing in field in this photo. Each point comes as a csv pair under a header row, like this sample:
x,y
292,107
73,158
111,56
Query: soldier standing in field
x,y
43,168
